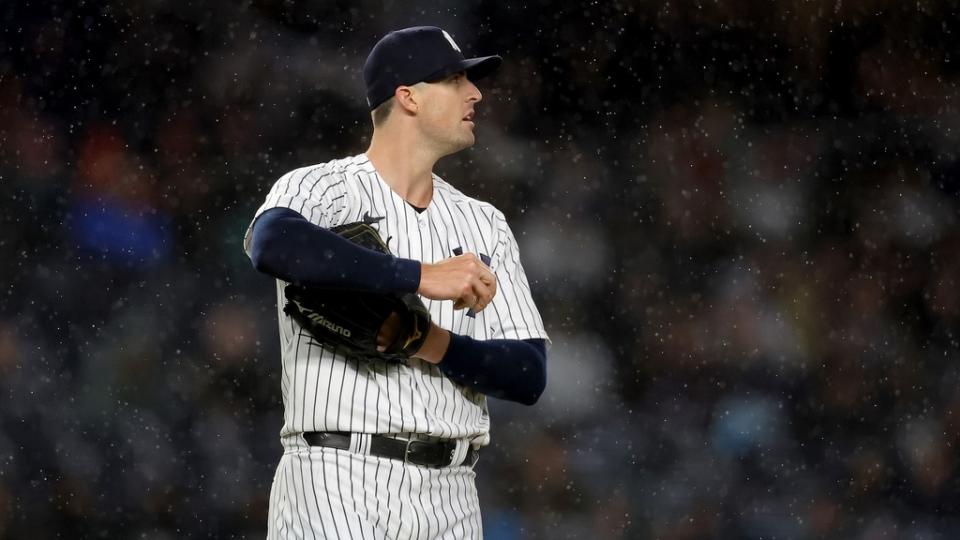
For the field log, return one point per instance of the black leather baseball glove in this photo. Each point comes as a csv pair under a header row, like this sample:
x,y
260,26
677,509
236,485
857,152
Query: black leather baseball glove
x,y
351,320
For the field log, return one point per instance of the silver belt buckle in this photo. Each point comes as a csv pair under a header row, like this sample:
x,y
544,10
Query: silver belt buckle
x,y
406,453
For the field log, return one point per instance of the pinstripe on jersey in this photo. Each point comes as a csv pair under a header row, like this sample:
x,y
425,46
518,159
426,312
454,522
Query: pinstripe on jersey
x,y
323,391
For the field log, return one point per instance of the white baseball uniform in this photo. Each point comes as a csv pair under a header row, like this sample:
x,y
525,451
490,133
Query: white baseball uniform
x,y
329,493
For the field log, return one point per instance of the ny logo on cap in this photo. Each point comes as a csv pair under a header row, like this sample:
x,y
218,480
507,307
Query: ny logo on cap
x,y
450,39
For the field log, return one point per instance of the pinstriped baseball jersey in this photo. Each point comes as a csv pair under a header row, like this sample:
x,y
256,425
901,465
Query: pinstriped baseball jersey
x,y
322,390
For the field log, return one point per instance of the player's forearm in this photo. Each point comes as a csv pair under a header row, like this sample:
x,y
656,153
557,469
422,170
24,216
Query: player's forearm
x,y
510,369
287,246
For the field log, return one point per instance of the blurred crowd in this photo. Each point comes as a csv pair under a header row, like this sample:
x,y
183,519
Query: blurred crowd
x,y
737,219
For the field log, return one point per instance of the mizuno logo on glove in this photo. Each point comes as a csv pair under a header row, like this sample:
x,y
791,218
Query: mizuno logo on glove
x,y
326,323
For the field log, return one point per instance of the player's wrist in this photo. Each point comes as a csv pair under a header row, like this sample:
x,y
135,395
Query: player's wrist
x,y
435,346
423,276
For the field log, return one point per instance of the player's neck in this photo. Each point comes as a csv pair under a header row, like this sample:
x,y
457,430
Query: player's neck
x,y
404,166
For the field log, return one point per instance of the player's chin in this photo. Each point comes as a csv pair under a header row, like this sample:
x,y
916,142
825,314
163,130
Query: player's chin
x,y
467,138
462,142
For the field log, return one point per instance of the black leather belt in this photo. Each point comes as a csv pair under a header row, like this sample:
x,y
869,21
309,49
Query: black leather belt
x,y
424,453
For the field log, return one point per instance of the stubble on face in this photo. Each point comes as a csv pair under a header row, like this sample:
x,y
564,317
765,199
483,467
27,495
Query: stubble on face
x,y
444,123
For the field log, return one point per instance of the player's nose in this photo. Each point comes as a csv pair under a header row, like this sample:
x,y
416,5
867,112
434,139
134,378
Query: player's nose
x,y
473,94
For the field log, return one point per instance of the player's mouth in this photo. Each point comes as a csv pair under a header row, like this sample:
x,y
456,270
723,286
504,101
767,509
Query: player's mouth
x,y
469,117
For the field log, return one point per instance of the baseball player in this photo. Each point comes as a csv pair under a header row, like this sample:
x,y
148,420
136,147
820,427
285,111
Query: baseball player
x,y
386,450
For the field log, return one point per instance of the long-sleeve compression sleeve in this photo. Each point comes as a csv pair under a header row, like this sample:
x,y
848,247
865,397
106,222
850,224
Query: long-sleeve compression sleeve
x,y
285,245
510,369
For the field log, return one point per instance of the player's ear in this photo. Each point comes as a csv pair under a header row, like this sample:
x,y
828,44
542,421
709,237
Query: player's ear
x,y
408,98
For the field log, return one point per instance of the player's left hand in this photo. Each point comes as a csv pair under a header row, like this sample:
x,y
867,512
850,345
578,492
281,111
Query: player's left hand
x,y
473,302
465,279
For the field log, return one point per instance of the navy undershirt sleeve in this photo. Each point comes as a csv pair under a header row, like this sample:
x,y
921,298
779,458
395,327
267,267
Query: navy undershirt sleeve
x,y
285,245
510,369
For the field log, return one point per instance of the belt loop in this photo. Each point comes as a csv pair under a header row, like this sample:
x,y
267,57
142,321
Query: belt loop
x,y
360,443
406,452
460,452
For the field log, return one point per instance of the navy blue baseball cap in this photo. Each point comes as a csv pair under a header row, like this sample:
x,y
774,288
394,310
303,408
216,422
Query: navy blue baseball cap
x,y
418,54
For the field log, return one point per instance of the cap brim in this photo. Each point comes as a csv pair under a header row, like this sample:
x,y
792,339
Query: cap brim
x,y
476,68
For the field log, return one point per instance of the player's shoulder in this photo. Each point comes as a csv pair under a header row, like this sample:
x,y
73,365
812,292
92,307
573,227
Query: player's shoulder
x,y
328,172
454,196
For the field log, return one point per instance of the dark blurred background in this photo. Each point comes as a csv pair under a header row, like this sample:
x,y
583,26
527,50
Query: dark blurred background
x,y
739,220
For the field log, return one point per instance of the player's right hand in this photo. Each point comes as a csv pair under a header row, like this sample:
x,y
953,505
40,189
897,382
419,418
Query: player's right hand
x,y
463,279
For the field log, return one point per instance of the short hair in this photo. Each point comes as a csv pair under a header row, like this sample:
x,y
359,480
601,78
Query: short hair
x,y
382,111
